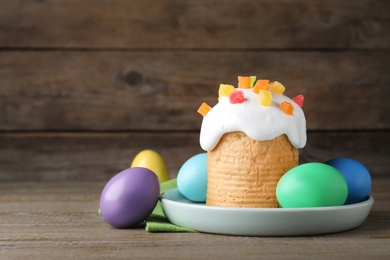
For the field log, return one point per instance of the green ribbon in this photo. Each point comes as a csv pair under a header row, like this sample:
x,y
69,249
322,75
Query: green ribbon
x,y
157,221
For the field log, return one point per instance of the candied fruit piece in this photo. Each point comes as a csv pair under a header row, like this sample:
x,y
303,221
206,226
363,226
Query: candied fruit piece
x,y
287,108
204,109
236,97
244,82
265,97
253,80
277,87
225,90
299,100
261,84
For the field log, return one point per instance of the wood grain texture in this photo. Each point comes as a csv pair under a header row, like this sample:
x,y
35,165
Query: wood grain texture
x,y
122,90
252,24
99,156
59,220
85,85
88,156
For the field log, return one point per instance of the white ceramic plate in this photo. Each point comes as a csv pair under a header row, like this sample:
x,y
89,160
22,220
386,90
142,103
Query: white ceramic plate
x,y
263,221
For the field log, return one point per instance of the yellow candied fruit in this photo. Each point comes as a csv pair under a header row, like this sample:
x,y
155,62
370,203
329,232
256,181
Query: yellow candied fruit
x,y
287,108
261,84
204,109
225,90
265,97
277,87
244,82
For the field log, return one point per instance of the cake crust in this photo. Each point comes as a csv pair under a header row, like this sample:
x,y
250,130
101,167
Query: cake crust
x,y
243,172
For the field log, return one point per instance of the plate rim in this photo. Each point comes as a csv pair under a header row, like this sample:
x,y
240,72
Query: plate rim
x,y
175,213
368,200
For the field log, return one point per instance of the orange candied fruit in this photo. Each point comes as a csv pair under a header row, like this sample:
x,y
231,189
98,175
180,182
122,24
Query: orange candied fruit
x,y
244,82
287,108
225,90
277,87
265,97
204,109
261,84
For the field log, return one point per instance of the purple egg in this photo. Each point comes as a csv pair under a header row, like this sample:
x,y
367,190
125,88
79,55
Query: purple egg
x,y
129,197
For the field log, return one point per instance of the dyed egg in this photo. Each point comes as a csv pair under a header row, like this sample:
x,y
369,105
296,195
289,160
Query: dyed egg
x,y
312,185
153,161
192,178
357,176
129,197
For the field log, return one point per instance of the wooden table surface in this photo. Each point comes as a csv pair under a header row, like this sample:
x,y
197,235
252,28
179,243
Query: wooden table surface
x,y
59,220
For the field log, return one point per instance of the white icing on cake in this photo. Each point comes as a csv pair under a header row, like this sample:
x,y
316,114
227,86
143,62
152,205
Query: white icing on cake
x,y
256,121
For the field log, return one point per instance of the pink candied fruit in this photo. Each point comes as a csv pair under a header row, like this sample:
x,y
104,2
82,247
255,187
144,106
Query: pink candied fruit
x,y
299,100
236,97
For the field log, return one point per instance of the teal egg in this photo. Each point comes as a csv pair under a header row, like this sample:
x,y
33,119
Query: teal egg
x,y
192,178
312,185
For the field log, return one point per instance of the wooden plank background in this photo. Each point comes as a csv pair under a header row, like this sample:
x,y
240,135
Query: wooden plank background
x,y
85,85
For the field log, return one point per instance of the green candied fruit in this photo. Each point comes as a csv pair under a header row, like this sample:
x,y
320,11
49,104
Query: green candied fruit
x,y
253,80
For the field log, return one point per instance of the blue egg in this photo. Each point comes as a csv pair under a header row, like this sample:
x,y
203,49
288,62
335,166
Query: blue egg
x,y
192,178
357,176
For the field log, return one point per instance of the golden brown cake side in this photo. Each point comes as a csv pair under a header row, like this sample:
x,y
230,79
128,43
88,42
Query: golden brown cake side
x,y
243,172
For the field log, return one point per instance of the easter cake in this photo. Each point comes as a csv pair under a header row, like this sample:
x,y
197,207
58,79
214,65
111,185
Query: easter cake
x,y
252,136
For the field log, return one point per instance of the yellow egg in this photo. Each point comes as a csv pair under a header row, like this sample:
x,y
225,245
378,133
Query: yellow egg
x,y
153,161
